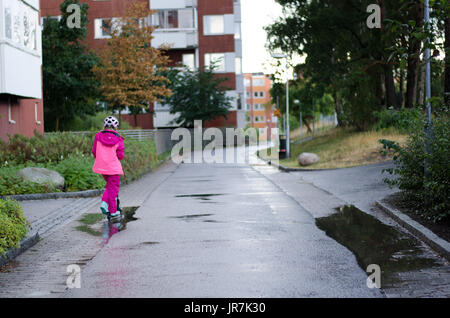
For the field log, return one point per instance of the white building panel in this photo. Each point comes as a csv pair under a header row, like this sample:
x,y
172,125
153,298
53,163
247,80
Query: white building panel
x,y
20,48
176,39
163,118
230,62
172,4
228,23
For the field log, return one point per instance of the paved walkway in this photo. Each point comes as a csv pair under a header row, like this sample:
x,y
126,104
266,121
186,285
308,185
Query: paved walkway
x,y
248,229
41,270
222,230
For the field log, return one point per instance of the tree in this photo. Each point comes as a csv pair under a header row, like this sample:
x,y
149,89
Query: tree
x,y
197,95
130,70
69,86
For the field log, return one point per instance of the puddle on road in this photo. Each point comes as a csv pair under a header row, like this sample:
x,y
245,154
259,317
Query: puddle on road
x,y
111,228
202,196
374,242
189,216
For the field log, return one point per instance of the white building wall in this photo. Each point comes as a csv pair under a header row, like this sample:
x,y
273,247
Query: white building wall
x,y
20,48
172,4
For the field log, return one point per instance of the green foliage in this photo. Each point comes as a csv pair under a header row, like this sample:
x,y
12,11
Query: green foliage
x,y
69,85
51,149
78,175
11,184
402,119
363,69
197,95
425,178
13,225
139,158
70,155
87,122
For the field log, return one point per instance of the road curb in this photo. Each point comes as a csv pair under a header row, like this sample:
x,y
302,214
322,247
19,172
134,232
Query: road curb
x,y
288,169
66,195
25,244
438,244
54,195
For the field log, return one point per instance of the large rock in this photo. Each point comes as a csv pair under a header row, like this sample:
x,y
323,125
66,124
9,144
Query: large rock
x,y
42,176
306,159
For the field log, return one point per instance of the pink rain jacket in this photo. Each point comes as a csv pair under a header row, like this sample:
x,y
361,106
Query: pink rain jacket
x,y
108,149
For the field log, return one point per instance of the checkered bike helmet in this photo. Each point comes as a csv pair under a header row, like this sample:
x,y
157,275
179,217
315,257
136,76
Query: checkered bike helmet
x,y
111,121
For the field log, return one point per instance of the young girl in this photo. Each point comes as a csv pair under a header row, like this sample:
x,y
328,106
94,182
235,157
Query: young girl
x,y
108,150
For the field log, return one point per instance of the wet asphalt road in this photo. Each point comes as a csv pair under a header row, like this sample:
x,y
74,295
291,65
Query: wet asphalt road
x,y
222,231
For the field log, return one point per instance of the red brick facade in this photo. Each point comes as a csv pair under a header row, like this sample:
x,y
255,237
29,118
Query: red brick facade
x,y
206,44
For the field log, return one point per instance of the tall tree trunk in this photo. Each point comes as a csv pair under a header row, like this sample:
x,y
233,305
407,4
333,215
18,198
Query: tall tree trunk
x,y
57,123
390,86
413,58
447,63
402,89
337,109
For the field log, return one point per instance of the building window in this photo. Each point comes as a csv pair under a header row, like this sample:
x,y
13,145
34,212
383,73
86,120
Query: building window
x,y
213,24
174,19
102,28
247,82
258,82
8,23
260,119
249,107
189,60
20,23
248,95
216,59
258,94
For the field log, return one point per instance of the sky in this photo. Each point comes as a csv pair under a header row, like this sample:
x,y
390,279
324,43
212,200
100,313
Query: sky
x,y
255,15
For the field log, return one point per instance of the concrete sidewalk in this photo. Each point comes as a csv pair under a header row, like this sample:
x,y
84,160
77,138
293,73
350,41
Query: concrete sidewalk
x,y
41,270
47,215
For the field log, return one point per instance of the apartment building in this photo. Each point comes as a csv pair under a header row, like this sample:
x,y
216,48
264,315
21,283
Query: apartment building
x,y
198,32
260,112
21,109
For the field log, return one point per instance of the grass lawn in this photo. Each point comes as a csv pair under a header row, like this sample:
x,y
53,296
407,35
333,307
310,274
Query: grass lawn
x,y
342,148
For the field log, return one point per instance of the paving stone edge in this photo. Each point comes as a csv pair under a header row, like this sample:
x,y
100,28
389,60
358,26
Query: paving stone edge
x,y
438,244
25,244
63,195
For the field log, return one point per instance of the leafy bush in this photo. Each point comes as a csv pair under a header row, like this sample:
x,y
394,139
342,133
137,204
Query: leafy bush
x,y
70,155
93,122
13,225
401,119
78,175
426,189
53,148
139,158
11,184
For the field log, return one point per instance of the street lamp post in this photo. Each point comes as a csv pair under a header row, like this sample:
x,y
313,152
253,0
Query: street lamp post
x,y
288,142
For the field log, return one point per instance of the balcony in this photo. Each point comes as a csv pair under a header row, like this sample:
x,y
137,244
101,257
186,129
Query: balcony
x,y
20,49
164,4
176,38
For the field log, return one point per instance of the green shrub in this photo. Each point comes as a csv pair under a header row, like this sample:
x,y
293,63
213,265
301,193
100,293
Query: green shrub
x,y
426,189
402,119
13,225
78,175
70,155
93,122
139,158
53,148
11,184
